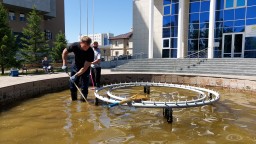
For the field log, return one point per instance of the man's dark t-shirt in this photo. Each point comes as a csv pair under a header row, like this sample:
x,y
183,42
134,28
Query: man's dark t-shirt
x,y
80,55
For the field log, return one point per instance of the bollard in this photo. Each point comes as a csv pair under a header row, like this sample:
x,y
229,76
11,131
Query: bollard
x,y
147,89
168,114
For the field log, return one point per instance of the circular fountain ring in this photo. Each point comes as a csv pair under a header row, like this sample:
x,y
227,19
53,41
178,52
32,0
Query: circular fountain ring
x,y
205,97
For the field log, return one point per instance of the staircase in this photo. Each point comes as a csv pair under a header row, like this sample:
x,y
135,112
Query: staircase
x,y
223,66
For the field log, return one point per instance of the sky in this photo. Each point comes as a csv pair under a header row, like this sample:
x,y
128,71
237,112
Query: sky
x,y
110,16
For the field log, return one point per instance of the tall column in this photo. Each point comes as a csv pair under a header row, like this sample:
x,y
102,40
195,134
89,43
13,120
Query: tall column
x,y
180,48
150,29
211,29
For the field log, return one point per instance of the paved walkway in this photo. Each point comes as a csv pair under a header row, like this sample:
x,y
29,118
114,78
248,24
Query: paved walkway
x,y
8,81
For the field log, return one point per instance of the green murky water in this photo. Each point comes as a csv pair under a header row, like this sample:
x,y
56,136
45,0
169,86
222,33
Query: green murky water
x,y
54,118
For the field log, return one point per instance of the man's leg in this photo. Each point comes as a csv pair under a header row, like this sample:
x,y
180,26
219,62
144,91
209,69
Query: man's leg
x,y
73,88
97,77
93,76
85,83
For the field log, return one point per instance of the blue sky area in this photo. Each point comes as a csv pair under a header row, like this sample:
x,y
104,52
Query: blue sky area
x,y
114,16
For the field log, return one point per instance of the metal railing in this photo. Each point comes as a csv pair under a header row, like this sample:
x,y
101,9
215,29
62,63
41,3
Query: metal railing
x,y
194,59
114,61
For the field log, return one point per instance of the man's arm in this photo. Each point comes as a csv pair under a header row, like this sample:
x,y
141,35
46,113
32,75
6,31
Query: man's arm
x,y
83,69
64,57
98,59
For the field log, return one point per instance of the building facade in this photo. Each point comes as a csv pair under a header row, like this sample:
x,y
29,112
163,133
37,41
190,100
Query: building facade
x,y
121,44
51,11
101,38
177,28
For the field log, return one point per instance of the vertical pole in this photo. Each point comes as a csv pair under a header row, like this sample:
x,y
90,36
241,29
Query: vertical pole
x,y
150,28
93,21
180,49
80,33
87,16
211,29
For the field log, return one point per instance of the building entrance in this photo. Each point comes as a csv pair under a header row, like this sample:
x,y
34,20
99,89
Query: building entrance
x,y
233,45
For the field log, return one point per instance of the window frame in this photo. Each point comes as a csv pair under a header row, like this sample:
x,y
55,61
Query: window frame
x,y
22,18
12,16
170,5
234,5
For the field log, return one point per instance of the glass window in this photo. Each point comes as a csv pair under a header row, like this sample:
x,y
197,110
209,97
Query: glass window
x,y
174,42
218,24
229,24
251,2
174,20
218,32
229,4
12,16
204,17
240,13
194,0
166,53
228,30
251,12
229,15
240,3
239,23
227,43
250,43
250,21
219,16
193,34
22,17
250,54
219,4
217,54
205,6
167,10
166,43
174,31
193,26
166,21
204,33
166,32
173,53
204,25
192,45
175,1
175,8
194,7
166,2
203,43
194,18
48,35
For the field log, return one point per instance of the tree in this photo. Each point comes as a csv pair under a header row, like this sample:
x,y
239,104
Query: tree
x,y
8,47
59,44
34,44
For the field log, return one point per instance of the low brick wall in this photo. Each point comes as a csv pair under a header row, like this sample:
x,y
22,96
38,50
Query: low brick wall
x,y
234,83
16,93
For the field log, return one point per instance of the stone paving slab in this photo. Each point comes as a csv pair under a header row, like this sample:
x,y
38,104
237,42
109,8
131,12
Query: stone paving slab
x,y
8,81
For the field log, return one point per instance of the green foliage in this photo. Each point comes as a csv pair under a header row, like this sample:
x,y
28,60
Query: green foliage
x,y
59,44
8,47
35,46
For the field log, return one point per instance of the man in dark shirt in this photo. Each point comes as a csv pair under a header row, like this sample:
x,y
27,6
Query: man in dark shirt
x,y
80,68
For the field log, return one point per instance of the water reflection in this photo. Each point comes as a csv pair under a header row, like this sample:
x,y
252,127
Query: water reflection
x,y
54,118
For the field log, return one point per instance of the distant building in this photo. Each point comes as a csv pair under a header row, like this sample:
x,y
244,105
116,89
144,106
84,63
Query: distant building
x,y
51,11
101,38
121,44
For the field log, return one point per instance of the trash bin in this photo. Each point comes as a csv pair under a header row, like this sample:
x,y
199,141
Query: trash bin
x,y
14,73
